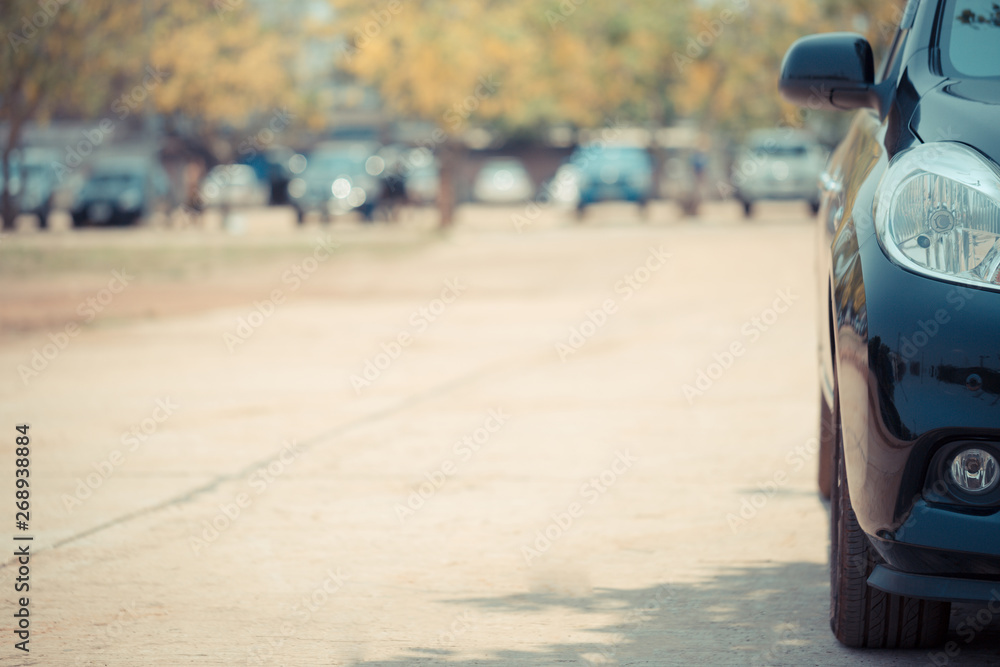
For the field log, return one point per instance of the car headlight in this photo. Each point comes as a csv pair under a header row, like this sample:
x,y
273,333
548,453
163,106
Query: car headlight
x,y
937,212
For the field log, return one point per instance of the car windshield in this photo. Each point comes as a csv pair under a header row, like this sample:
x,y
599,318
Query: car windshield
x,y
591,158
974,40
326,163
776,150
496,167
112,182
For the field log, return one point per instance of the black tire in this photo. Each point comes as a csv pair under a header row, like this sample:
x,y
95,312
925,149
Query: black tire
x,y
814,208
43,219
748,209
862,616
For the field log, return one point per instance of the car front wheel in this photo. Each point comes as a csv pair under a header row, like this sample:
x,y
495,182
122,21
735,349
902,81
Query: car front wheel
x,y
862,616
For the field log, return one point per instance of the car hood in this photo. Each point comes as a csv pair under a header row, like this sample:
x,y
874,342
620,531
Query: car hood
x,y
962,111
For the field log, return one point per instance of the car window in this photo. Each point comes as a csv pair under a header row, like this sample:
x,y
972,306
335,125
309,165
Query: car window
x,y
973,37
781,151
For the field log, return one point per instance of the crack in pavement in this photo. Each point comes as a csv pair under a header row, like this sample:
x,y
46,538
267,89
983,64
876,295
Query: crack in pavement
x,y
505,365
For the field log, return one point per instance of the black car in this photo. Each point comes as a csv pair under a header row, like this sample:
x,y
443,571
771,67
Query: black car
x,y
910,289
33,182
121,191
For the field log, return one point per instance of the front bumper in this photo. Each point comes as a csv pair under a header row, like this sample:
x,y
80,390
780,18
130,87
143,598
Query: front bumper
x,y
927,587
906,347
601,192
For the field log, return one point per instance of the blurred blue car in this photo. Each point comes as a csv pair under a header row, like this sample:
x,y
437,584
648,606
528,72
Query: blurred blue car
x,y
613,173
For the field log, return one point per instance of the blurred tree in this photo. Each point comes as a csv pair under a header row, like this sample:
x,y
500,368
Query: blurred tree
x,y
219,65
211,62
732,55
54,53
514,65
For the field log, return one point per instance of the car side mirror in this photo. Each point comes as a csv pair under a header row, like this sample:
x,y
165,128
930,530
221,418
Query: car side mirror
x,y
830,71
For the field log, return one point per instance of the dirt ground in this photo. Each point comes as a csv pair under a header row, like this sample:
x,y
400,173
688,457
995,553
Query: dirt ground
x,y
528,441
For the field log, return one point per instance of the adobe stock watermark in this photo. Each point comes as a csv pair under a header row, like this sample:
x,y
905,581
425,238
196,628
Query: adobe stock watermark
x,y
37,21
374,22
548,195
293,277
463,449
98,135
131,440
248,148
752,330
596,319
463,623
302,612
258,481
566,9
633,622
88,309
590,491
967,629
223,7
698,44
926,330
787,636
420,320
751,505
456,116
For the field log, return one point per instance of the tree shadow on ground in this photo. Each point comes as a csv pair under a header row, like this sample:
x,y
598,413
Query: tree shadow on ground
x,y
756,614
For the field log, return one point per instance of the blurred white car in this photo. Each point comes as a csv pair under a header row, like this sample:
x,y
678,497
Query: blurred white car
x,y
503,181
778,164
564,188
233,185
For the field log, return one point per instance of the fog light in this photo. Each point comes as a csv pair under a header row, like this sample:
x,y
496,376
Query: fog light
x,y
974,471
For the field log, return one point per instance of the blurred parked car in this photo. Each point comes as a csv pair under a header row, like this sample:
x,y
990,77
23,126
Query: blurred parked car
x,y
275,167
563,189
613,173
122,190
780,164
33,182
503,181
338,178
910,292
233,185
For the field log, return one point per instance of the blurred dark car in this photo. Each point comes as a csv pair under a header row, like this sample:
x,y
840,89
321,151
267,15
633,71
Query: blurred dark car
x,y
910,291
338,178
275,166
778,164
122,191
613,173
33,182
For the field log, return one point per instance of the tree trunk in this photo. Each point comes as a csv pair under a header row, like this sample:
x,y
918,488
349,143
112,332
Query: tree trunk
x,y
449,156
7,209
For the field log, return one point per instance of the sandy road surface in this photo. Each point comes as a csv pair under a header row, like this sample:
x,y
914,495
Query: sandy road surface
x,y
472,450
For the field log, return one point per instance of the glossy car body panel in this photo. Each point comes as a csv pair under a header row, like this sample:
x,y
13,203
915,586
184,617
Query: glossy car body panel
x,y
915,361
